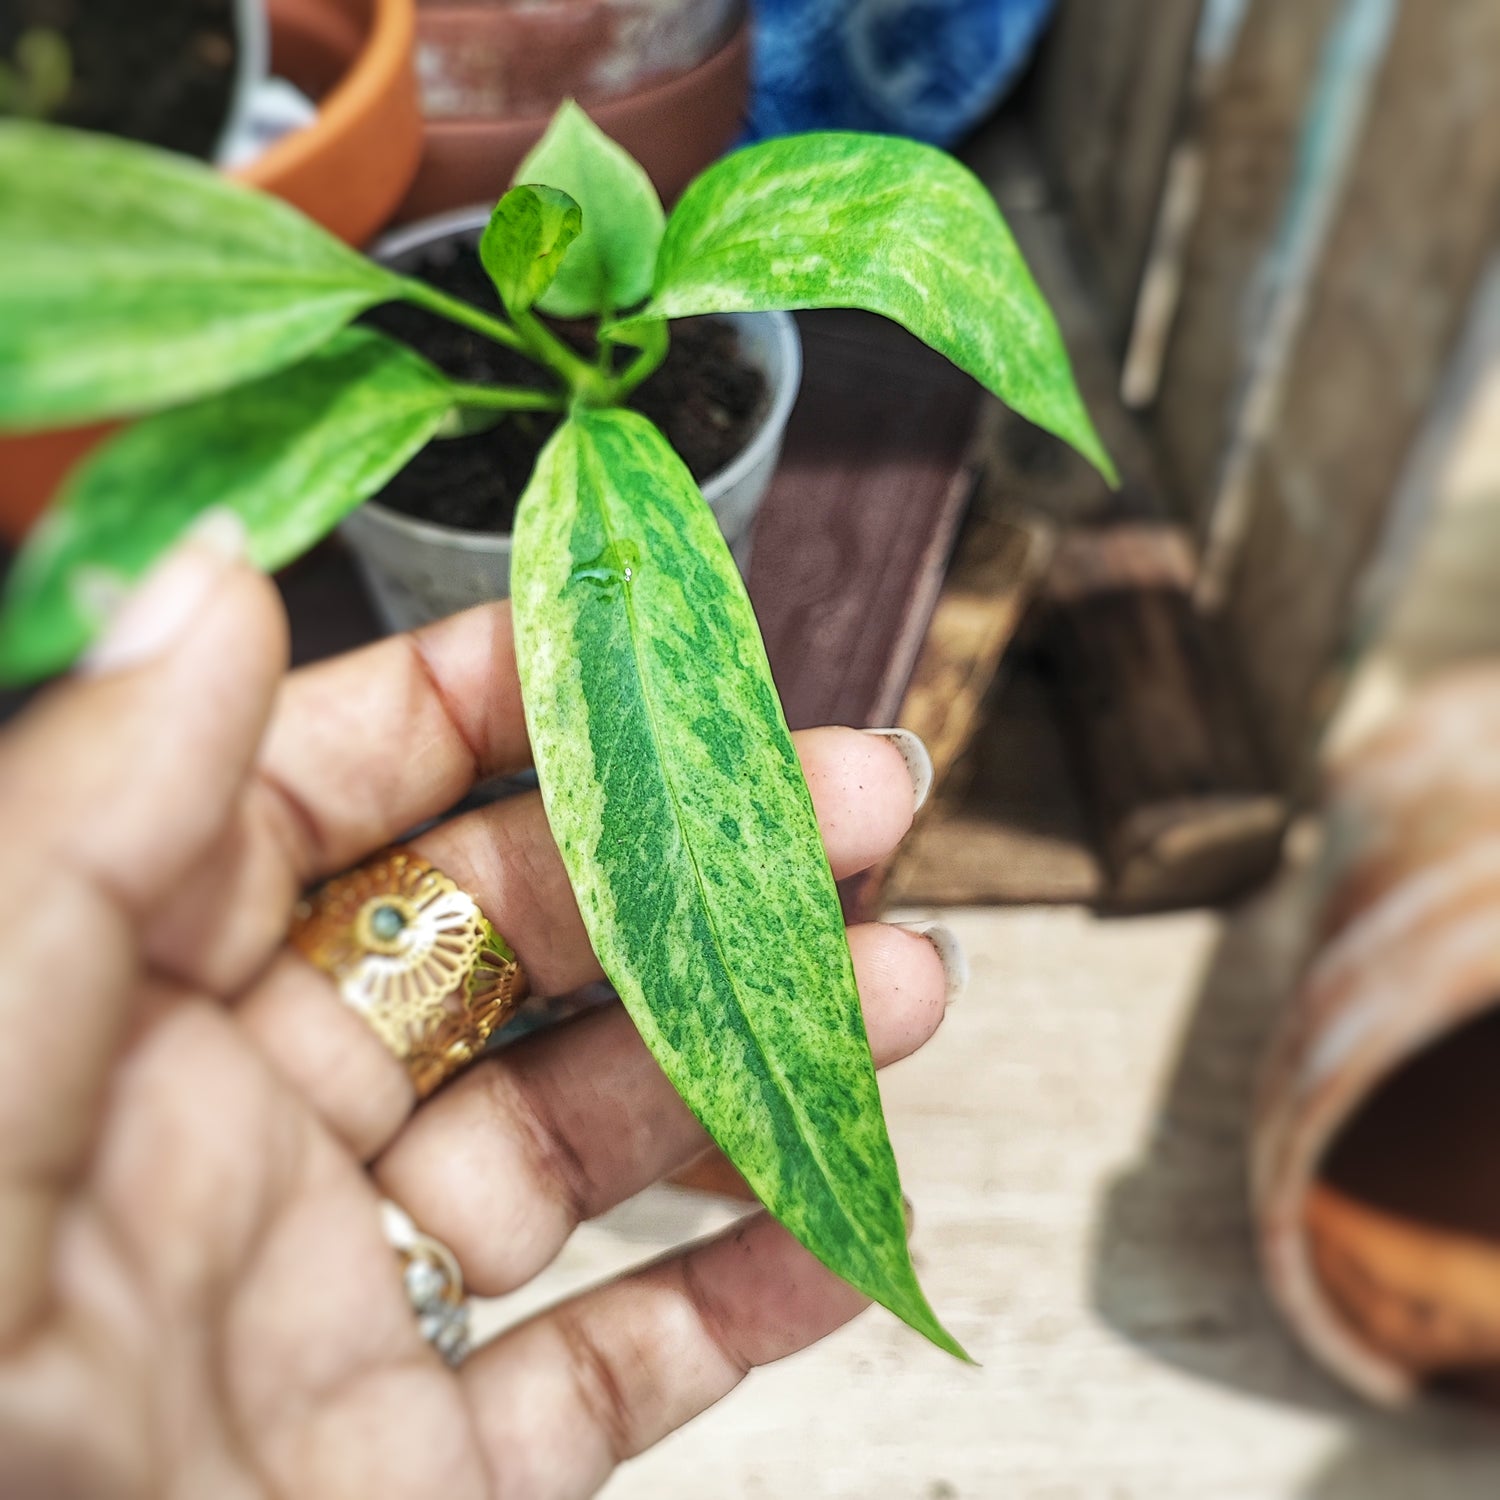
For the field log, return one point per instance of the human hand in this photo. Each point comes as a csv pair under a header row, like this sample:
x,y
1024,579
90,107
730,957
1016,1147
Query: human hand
x,y
196,1296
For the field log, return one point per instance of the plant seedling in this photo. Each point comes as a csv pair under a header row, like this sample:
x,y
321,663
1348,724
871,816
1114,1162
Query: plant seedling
x,y
132,281
36,81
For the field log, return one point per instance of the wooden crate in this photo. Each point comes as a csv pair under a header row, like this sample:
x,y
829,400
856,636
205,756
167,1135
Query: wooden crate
x,y
1264,223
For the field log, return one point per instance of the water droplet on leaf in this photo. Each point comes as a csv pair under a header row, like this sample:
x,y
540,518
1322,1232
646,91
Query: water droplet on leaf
x,y
616,565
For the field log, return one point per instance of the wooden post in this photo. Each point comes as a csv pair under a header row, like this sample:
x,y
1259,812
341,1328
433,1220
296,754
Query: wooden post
x,y
1184,810
1412,221
1111,81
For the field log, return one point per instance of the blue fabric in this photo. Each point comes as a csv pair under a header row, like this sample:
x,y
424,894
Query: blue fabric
x,y
925,68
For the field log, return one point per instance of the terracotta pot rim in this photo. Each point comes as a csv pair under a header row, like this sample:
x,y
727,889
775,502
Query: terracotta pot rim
x,y
659,96
360,92
1290,1147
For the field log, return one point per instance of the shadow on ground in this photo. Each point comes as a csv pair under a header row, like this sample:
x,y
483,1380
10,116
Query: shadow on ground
x,y
1174,1268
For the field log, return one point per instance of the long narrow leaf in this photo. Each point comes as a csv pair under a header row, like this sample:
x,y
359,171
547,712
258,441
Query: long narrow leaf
x,y
676,797
292,453
131,279
844,220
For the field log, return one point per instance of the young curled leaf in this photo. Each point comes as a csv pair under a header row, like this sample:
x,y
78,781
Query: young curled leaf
x,y
525,241
611,262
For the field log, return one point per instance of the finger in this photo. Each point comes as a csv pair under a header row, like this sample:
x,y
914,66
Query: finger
x,y
371,744
505,856
113,785
361,749
560,1402
505,1164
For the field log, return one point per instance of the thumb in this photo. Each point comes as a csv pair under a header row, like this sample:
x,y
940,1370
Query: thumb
x,y
111,787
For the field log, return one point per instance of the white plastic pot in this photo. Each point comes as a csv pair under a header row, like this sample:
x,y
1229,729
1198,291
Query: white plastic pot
x,y
417,571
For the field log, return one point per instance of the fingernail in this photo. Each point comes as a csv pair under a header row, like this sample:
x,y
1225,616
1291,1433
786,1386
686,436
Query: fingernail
x,y
154,616
918,761
949,950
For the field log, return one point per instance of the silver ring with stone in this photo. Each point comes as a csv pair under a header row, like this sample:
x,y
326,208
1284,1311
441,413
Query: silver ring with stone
x,y
434,1284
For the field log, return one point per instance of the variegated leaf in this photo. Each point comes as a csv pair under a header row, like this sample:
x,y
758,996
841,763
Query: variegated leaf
x,y
837,219
676,797
291,453
131,278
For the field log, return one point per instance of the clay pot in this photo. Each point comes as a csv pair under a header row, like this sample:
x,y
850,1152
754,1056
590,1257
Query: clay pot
x,y
480,59
674,127
1376,1173
352,166
348,170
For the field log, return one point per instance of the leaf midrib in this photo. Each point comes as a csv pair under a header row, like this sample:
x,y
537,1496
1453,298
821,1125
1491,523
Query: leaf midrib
x,y
809,1136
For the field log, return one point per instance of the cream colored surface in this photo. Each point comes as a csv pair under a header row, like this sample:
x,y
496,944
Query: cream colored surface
x,y
1073,1142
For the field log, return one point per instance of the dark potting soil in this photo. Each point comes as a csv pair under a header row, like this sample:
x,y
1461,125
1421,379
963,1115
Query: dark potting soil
x,y
159,71
705,398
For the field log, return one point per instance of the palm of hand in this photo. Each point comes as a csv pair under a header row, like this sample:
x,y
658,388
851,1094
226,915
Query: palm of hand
x,y
196,1297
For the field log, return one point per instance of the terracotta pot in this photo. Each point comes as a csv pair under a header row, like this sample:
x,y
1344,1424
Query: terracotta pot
x,y
352,166
674,129
348,170
1376,1164
487,58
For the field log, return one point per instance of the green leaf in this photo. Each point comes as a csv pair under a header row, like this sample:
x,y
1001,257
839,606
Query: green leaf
x,y
292,454
610,264
525,241
676,797
132,279
649,337
845,220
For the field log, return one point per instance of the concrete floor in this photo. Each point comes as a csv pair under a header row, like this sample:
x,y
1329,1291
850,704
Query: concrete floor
x,y
1073,1140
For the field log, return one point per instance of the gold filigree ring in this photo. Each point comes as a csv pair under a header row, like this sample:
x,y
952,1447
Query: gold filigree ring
x,y
415,956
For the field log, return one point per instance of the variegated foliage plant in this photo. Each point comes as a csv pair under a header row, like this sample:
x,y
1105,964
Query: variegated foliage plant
x,y
133,282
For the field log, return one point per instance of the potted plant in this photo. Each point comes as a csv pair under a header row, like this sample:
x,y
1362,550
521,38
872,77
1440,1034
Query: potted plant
x,y
81,65
437,539
668,79
348,168
666,768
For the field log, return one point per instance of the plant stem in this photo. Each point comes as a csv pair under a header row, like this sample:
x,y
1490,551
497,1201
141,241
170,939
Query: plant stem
x,y
529,335
645,364
458,311
586,382
509,398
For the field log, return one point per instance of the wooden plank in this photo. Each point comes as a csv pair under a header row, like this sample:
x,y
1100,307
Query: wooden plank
x,y
1404,255
850,550
1042,474
1183,806
997,569
1016,832
1128,666
1111,81
1249,133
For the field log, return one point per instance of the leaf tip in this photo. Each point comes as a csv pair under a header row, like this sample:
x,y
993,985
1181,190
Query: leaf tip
x,y
1081,435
